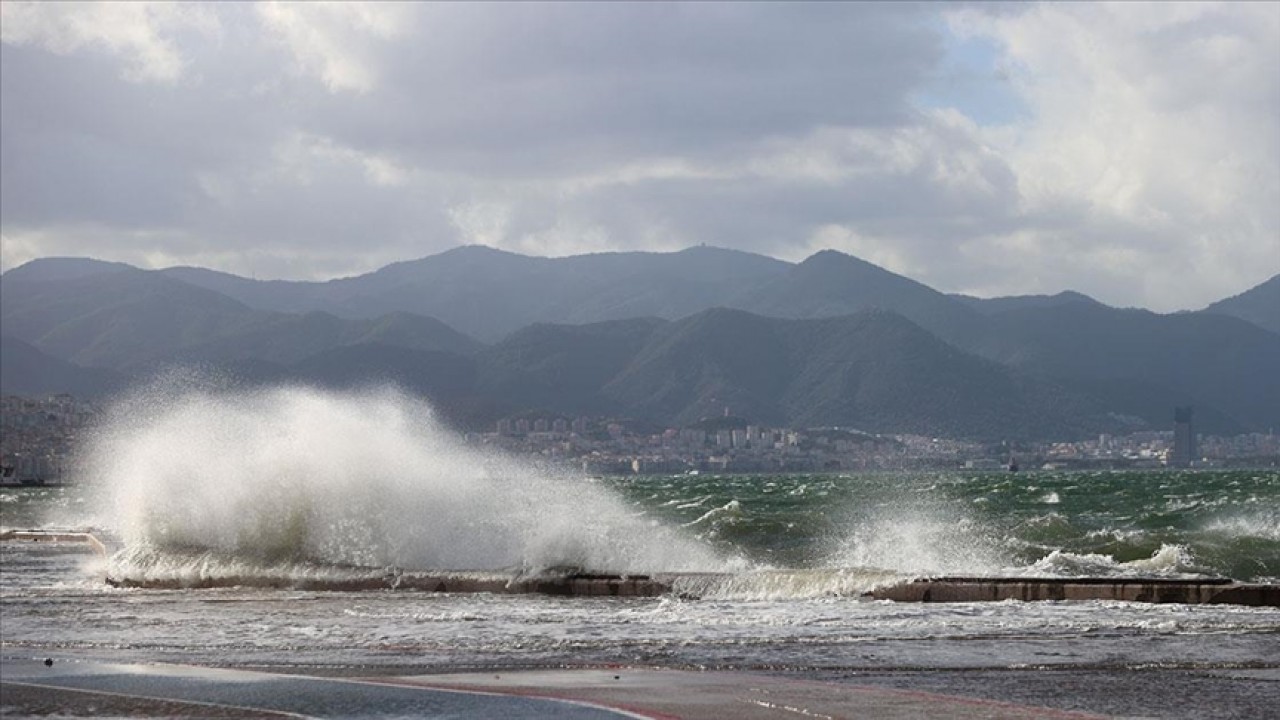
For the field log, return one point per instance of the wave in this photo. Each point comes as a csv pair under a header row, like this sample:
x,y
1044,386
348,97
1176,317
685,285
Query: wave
x,y
923,541
1263,525
369,479
154,568
1170,561
715,518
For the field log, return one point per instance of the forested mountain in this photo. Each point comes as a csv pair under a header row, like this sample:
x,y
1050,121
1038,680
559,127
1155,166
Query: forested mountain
x,y
993,306
1207,360
874,370
1259,305
831,284
25,370
489,293
667,337
122,318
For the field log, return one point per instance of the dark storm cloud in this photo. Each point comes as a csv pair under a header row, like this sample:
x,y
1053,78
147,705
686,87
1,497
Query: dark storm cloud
x,y
312,140
463,96
540,89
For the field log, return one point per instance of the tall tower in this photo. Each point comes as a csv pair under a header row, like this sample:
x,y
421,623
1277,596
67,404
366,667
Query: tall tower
x,y
1184,438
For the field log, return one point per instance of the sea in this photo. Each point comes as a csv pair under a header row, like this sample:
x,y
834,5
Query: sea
x,y
185,486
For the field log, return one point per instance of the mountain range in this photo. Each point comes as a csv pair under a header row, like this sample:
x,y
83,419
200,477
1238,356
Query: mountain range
x,y
665,337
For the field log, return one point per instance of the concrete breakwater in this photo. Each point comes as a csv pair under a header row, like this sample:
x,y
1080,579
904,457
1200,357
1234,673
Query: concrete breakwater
x,y
1192,592
462,582
1211,591
942,589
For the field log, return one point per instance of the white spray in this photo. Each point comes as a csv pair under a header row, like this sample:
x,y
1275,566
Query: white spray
x,y
371,478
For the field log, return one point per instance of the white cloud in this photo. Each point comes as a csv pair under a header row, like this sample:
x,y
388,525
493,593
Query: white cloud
x,y
1155,128
301,156
138,247
481,223
660,169
17,248
144,34
335,42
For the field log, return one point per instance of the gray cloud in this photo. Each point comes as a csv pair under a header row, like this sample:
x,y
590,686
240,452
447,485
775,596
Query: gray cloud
x,y
313,141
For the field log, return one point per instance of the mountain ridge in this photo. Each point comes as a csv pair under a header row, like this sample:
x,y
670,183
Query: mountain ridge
x,y
576,333
1259,305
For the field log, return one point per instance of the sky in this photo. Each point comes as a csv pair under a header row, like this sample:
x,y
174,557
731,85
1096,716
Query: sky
x,y
1128,151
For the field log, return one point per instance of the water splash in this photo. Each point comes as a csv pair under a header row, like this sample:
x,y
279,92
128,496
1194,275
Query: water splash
x,y
1170,561
1261,524
369,479
923,541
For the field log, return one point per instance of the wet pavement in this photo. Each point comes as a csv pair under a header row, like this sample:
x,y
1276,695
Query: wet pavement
x,y
78,687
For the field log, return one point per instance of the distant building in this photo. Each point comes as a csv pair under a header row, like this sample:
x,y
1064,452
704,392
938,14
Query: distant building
x,y
1184,438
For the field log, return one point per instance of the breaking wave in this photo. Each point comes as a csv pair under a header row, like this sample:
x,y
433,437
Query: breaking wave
x,y
295,476
1169,561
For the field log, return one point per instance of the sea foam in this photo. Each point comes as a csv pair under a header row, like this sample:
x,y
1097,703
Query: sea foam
x,y
368,479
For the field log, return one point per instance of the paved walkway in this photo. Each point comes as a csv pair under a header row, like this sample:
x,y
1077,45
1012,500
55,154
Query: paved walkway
x,y
89,689
93,689
692,695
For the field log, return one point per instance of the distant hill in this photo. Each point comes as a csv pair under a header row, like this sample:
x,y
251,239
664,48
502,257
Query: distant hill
x,y
116,318
1259,305
25,370
276,295
666,337
489,293
443,376
285,338
874,370
125,319
831,284
992,306
563,367
1209,361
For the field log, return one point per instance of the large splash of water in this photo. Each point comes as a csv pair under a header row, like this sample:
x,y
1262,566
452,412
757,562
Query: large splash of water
x,y
296,475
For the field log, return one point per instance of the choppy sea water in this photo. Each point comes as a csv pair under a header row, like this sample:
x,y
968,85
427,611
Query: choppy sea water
x,y
295,482
53,598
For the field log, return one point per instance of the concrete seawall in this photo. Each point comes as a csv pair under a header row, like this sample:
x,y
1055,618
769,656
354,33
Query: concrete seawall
x,y
1191,592
944,589
571,585
931,590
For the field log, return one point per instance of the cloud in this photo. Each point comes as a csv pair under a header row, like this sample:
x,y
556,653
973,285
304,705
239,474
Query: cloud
x,y
1153,155
145,35
333,41
1128,151
299,157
